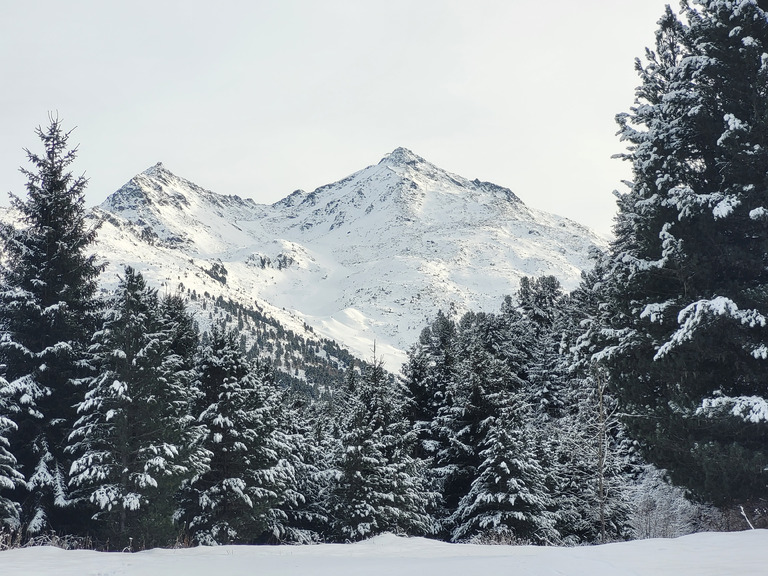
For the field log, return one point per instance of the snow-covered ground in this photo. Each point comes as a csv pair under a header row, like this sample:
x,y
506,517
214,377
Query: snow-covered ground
x,y
722,554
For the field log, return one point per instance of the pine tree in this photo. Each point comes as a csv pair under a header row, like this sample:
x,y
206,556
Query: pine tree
x,y
508,499
491,367
492,472
380,486
47,314
249,487
687,295
542,302
10,477
307,517
428,379
592,464
538,299
428,375
135,441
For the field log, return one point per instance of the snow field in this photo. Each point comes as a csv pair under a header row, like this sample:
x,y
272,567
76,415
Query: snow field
x,y
707,554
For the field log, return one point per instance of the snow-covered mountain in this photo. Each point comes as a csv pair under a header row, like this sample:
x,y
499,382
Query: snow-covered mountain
x,y
370,258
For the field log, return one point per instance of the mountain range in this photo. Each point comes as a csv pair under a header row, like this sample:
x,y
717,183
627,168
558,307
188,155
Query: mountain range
x,y
367,260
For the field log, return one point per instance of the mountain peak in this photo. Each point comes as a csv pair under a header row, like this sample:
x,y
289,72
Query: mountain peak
x,y
401,157
435,240
155,170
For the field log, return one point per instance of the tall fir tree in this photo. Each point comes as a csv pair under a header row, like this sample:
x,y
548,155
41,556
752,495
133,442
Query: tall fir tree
x,y
427,376
135,440
594,465
307,518
10,477
542,301
380,486
47,314
492,366
686,297
249,486
508,499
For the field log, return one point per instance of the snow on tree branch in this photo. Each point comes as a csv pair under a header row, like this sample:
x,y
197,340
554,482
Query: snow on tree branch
x,y
699,313
752,409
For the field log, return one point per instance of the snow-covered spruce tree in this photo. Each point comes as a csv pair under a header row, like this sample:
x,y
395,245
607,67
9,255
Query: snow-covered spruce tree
x,y
323,421
307,516
427,376
538,299
135,441
47,315
593,465
491,367
508,500
250,484
688,285
380,486
542,301
10,477
581,446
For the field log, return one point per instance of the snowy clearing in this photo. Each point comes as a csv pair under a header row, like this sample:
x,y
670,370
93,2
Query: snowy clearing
x,y
742,553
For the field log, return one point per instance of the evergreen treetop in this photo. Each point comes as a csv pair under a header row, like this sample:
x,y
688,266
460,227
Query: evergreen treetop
x,y
48,311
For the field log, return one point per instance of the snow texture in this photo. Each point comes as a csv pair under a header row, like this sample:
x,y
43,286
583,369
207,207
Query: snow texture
x,y
753,409
743,553
701,313
370,258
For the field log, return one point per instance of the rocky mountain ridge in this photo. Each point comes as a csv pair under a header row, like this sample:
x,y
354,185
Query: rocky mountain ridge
x,y
370,258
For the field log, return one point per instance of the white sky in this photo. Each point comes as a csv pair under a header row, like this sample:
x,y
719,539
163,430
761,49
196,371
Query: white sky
x,y
261,97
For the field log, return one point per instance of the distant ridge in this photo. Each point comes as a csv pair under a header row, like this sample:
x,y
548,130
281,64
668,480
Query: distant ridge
x,y
371,257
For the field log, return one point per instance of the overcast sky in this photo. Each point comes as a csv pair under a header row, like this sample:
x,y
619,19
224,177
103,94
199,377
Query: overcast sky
x,y
258,98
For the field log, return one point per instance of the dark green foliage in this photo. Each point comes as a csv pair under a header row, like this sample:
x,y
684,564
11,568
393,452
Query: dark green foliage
x,y
506,407
538,299
508,495
460,379
686,290
379,485
496,474
47,314
592,464
10,477
136,440
246,491
542,302
428,376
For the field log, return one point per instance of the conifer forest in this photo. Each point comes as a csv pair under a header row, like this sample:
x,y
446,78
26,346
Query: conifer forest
x,y
633,406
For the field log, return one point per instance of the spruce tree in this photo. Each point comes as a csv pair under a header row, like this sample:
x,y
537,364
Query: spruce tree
x,y
307,518
10,477
135,440
250,485
508,499
47,315
492,366
380,486
542,302
428,375
686,299
593,464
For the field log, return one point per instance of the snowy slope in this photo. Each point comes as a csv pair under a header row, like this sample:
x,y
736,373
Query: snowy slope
x,y
370,258
742,553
